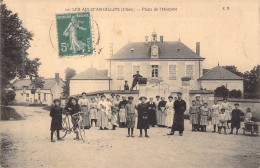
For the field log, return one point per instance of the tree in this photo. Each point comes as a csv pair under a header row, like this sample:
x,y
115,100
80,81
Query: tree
x,y
8,96
221,91
233,69
15,41
37,83
70,73
235,94
251,80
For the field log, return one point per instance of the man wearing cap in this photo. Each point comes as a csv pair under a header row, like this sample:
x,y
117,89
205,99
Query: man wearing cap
x,y
178,121
235,118
130,116
136,77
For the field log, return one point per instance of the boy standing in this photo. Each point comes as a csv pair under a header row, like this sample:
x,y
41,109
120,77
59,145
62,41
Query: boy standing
x,y
130,116
56,119
235,119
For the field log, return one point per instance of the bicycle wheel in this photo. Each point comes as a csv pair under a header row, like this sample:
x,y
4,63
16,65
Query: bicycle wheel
x,y
82,131
64,130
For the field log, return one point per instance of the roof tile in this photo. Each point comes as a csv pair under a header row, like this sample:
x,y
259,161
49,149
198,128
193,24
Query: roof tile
x,y
167,50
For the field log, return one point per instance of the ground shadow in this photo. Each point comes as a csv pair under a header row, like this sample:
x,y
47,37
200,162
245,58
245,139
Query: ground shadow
x,y
8,113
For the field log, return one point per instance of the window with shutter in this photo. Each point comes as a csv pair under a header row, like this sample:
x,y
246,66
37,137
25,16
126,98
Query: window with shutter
x,y
189,71
120,72
172,72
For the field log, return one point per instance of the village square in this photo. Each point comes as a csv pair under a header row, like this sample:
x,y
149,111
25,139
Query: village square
x,y
155,101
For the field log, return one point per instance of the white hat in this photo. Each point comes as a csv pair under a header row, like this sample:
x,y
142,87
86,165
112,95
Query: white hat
x,y
197,95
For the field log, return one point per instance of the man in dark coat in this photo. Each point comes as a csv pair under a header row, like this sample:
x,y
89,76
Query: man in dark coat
x,y
56,121
151,112
178,121
135,81
235,119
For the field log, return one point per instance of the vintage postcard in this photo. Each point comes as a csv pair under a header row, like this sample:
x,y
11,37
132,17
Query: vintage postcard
x,y
132,84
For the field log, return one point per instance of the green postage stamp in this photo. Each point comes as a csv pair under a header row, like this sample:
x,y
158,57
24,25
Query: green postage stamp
x,y
74,34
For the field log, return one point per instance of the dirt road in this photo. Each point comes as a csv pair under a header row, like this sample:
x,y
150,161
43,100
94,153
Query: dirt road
x,y
26,143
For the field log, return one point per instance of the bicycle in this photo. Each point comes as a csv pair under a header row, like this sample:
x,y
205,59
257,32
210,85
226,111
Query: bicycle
x,y
66,128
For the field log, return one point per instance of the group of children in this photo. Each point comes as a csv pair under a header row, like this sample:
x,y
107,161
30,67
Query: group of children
x,y
219,115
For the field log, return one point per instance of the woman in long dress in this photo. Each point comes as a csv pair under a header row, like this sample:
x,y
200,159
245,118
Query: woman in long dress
x,y
71,31
162,112
157,101
116,106
83,102
199,104
205,111
93,114
143,122
228,109
214,114
194,114
103,113
170,112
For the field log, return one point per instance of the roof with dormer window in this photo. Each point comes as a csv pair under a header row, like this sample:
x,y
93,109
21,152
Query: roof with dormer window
x,y
167,50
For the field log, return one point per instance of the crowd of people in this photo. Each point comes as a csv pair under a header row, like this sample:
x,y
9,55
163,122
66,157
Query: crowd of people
x,y
220,115
122,111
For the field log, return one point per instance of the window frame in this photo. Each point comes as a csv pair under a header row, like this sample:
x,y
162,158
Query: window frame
x,y
193,69
123,73
152,71
176,71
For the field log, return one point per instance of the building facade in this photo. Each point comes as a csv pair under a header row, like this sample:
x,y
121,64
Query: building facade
x,y
162,63
219,76
90,80
53,88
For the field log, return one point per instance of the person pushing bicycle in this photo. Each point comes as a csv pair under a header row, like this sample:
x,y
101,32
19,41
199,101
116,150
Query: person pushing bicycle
x,y
74,108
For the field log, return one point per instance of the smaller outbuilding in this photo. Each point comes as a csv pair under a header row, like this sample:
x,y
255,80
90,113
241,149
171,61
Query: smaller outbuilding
x,y
219,76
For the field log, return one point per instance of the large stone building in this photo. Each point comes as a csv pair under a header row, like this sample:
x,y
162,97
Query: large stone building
x,y
163,63
52,89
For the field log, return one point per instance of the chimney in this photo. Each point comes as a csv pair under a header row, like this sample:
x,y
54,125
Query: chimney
x,y
198,48
146,39
161,39
57,78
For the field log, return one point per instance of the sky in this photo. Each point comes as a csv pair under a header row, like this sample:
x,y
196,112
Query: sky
x,y
227,37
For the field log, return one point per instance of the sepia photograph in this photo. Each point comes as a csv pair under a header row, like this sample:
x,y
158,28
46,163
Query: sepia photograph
x,y
130,84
